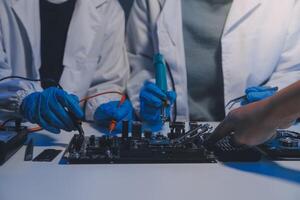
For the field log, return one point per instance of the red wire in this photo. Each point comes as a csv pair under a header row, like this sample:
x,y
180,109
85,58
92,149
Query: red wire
x,y
99,94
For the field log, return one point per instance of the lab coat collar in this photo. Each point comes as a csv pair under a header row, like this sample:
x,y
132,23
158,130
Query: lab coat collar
x,y
83,25
239,10
29,17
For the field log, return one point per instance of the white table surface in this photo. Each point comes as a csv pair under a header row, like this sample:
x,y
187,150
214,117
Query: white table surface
x,y
21,180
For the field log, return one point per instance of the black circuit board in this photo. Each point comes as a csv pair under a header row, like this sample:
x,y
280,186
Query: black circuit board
x,y
226,150
178,146
285,145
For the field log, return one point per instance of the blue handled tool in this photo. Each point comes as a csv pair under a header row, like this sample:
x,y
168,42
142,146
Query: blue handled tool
x,y
232,102
161,79
160,72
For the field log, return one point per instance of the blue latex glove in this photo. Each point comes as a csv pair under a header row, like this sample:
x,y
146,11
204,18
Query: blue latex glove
x,y
49,109
107,112
254,94
151,102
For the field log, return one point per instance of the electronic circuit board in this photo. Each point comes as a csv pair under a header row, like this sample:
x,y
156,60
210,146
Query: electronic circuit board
x,y
178,146
285,145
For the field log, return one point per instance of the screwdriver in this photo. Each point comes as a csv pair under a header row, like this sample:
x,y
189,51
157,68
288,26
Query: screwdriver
x,y
113,122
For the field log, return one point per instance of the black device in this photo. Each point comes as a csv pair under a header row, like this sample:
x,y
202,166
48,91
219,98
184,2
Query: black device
x,y
285,145
178,146
47,155
11,140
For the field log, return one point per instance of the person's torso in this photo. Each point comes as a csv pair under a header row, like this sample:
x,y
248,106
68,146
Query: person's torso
x,y
250,51
21,36
203,24
55,21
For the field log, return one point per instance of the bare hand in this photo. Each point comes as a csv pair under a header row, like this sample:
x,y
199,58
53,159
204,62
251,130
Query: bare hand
x,y
252,124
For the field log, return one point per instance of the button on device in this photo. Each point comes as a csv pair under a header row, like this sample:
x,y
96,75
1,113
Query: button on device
x,y
125,127
92,140
136,130
78,141
289,142
193,125
148,134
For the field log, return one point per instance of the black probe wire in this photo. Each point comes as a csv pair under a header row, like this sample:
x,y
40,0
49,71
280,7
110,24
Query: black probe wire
x,y
5,122
31,79
19,77
174,89
2,125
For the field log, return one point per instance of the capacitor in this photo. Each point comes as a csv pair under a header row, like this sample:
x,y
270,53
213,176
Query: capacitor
x,y
177,128
136,130
92,140
148,134
193,125
78,141
125,127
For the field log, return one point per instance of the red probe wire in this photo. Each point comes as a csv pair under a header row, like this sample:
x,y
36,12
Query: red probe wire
x,y
99,94
113,122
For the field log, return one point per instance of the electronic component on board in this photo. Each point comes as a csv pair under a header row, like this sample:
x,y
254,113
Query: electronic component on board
x,y
125,129
289,143
284,146
148,134
176,129
193,125
136,130
226,150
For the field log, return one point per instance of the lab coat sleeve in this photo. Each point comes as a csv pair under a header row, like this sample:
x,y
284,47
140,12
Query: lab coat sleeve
x,y
12,91
113,69
288,68
140,51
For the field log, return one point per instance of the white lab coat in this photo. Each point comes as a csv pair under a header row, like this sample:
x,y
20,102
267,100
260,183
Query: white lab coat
x,y
95,58
260,45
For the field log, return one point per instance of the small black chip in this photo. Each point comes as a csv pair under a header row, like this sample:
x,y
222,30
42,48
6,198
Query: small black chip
x,y
47,155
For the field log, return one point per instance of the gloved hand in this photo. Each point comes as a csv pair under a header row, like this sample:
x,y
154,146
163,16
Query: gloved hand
x,y
258,93
107,112
49,109
152,100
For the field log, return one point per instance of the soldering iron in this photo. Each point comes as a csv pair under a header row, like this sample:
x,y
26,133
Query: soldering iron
x,y
161,80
